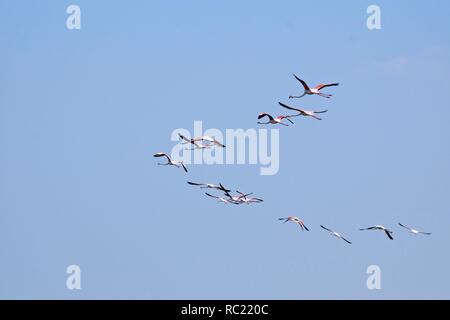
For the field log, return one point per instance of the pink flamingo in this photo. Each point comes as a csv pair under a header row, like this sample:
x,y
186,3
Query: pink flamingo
x,y
314,90
272,120
301,112
177,164
296,220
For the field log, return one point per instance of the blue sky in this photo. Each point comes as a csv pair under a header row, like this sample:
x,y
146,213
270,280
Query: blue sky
x,y
83,111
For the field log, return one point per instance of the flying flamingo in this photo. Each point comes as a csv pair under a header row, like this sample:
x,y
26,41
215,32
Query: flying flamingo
x,y
296,220
177,164
272,120
379,227
414,231
301,112
334,233
209,139
315,90
221,199
245,199
194,143
209,186
239,198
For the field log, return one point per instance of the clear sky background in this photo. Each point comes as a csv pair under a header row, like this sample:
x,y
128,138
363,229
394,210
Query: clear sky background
x,y
82,112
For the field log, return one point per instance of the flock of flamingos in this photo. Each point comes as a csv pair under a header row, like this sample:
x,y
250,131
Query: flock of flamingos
x,y
206,142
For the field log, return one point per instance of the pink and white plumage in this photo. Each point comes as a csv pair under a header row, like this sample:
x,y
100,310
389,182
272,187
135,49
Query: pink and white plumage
x,y
414,231
222,199
195,141
382,228
301,112
314,90
335,234
272,120
170,162
296,220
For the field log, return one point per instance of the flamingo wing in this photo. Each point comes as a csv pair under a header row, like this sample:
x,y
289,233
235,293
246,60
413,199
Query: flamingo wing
x,y
388,233
326,228
290,108
184,138
162,154
346,240
401,225
305,86
263,114
321,86
243,195
195,183
227,193
223,188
